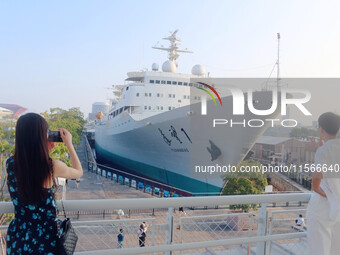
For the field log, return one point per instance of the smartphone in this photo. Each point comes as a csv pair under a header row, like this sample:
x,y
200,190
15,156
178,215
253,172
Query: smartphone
x,y
54,136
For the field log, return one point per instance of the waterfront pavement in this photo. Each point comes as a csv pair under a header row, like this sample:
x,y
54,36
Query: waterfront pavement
x,y
93,186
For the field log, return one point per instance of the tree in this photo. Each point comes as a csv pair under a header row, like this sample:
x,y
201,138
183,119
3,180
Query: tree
x,y
303,132
73,121
245,183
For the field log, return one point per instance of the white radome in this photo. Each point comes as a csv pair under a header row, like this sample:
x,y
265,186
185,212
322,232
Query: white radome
x,y
155,67
169,66
198,70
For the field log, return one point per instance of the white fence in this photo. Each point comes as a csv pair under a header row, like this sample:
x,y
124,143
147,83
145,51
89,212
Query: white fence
x,y
169,233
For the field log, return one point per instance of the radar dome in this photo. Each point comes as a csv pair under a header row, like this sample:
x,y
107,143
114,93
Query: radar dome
x,y
198,70
169,66
155,67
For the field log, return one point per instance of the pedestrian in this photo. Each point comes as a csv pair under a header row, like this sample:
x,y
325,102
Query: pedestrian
x,y
77,183
141,235
32,186
120,239
300,221
323,211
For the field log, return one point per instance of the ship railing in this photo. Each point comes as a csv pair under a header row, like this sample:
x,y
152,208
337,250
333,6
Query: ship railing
x,y
256,232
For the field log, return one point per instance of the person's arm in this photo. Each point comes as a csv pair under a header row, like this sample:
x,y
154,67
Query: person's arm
x,y
316,180
60,168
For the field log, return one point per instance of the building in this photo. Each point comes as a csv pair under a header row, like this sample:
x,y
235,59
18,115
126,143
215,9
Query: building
x,y
16,110
5,112
99,107
279,149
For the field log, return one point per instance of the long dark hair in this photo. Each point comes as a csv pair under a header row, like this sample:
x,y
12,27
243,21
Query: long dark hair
x,y
32,163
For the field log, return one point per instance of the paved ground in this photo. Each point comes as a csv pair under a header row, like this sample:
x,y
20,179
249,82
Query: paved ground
x,y
93,186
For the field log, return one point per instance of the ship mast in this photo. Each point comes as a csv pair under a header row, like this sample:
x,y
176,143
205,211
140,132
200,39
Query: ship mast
x,y
173,49
278,61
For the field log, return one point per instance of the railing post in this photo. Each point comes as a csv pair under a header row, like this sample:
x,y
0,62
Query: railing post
x,y
170,228
261,229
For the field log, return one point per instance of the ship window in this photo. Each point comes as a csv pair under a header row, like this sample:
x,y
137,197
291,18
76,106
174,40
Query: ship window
x,y
158,81
168,82
173,95
180,83
185,84
161,107
149,107
174,82
152,81
162,82
149,94
137,94
169,108
190,84
127,88
145,107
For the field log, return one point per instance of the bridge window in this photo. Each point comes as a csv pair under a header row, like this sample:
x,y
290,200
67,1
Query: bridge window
x,y
149,107
158,95
145,107
162,82
169,108
173,95
185,84
137,94
168,82
149,94
158,81
146,94
174,83
152,81
190,84
161,107
180,83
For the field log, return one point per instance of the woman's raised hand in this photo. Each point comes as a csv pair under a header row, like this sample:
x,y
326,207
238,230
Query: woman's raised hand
x,y
66,136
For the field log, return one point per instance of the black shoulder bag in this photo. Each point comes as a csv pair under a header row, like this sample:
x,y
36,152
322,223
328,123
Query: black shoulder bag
x,y
67,237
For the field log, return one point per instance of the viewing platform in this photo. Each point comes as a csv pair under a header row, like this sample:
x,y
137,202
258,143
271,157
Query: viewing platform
x,y
101,206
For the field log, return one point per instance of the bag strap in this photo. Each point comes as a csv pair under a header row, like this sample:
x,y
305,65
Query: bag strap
x,y
56,185
55,201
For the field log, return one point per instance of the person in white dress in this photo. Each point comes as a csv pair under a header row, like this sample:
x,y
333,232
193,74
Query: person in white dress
x,y
323,211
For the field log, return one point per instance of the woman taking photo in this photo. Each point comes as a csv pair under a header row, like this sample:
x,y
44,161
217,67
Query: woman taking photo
x,y
31,185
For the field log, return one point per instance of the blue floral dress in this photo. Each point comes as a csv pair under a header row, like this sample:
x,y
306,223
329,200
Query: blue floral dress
x,y
34,229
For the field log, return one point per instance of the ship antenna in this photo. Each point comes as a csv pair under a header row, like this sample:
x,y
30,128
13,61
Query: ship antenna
x,y
278,60
173,49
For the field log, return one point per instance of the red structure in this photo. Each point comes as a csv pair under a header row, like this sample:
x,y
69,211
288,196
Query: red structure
x,y
16,109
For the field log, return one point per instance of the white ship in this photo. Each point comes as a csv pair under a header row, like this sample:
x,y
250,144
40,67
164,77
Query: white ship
x,y
149,129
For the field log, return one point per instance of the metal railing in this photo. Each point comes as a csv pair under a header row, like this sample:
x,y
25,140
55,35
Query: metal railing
x,y
163,232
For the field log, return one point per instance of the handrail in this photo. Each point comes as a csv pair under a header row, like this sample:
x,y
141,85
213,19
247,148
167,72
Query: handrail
x,y
194,245
145,203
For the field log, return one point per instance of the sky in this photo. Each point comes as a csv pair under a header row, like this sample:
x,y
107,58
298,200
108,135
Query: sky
x,y
66,53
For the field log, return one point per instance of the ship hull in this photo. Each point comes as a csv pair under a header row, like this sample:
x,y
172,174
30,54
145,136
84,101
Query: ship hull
x,y
166,147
